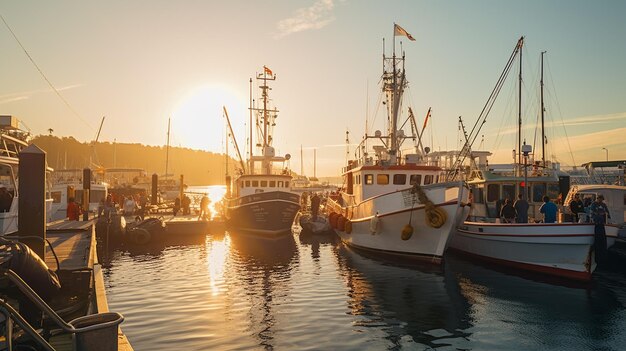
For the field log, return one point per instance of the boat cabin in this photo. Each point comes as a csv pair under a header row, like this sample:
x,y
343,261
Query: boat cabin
x,y
614,198
249,184
368,181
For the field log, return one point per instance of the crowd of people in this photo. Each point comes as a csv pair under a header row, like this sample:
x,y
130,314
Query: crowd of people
x,y
587,211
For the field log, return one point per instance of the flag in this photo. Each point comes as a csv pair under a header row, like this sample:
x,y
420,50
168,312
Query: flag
x,y
397,30
268,71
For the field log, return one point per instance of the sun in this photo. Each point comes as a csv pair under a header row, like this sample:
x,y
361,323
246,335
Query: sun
x,y
198,120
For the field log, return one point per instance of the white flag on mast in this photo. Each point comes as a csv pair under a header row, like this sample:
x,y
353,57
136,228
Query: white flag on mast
x,y
397,30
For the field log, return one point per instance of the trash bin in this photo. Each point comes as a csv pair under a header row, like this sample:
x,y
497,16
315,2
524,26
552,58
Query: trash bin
x,y
96,332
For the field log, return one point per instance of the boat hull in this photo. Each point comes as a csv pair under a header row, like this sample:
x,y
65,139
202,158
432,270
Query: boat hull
x,y
559,249
267,214
378,222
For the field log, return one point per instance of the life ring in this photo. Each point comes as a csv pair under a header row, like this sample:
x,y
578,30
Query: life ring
x,y
341,223
374,223
348,226
140,236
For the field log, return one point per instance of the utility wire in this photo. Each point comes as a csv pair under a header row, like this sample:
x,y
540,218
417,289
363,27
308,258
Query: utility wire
x,y
44,76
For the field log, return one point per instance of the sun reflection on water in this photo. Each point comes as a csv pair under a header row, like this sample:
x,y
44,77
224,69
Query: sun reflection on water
x,y
217,254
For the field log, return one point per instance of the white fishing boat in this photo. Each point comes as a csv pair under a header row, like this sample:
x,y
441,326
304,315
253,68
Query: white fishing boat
x,y
68,183
392,202
561,249
260,200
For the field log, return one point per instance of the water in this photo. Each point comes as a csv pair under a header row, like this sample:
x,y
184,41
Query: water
x,y
237,292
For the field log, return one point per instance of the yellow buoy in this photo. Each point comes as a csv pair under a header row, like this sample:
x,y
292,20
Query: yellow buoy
x,y
407,232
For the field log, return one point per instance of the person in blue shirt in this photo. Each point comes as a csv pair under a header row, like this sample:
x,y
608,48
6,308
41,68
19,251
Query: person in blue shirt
x,y
599,213
549,210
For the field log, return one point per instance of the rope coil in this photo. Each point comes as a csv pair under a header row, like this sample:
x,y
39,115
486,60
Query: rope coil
x,y
435,216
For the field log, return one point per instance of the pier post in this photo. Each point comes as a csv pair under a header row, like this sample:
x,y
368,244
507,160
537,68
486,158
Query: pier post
x,y
155,189
182,188
86,191
31,218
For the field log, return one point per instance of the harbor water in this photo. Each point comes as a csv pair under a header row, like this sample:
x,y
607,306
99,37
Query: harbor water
x,y
237,292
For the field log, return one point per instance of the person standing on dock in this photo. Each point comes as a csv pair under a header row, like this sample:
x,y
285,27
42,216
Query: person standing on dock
x,y
73,210
205,214
315,205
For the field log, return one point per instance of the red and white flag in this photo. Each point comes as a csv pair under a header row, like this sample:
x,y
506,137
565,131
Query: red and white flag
x,y
267,70
397,30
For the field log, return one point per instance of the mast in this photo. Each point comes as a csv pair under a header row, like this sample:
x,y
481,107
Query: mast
x,y
519,108
251,163
301,162
167,148
543,134
315,163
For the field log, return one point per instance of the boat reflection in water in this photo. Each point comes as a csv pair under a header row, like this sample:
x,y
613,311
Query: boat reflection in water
x,y
410,304
538,314
265,268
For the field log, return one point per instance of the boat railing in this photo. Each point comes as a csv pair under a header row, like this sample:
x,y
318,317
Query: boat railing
x,y
93,322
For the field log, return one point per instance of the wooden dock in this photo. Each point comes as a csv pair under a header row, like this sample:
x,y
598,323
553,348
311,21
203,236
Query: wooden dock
x,y
74,243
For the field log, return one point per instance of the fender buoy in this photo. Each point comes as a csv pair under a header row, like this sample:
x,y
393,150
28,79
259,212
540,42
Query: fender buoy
x,y
374,224
407,232
348,226
140,236
341,223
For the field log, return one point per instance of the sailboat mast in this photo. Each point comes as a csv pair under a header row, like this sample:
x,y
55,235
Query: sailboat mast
x,y
519,110
394,111
250,162
314,163
543,134
167,149
264,109
301,162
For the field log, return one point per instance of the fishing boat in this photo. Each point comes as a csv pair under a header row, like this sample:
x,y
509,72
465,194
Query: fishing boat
x,y
563,249
392,202
260,200
67,183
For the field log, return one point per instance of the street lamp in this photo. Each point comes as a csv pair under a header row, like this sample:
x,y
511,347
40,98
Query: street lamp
x,y
607,153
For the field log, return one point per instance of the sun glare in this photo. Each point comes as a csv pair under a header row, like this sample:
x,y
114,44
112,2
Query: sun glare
x,y
198,121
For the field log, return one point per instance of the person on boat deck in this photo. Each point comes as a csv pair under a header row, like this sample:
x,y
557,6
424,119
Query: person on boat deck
x,y
204,208
508,212
577,207
129,206
549,210
521,207
109,206
5,199
176,205
186,203
599,210
315,205
73,210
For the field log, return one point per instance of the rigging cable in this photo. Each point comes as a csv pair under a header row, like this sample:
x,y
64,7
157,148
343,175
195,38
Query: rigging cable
x,y
558,105
44,76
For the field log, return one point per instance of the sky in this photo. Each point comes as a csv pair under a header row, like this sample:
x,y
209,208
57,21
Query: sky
x,y
138,63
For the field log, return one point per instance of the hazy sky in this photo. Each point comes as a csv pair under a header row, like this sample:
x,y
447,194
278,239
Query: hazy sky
x,y
140,62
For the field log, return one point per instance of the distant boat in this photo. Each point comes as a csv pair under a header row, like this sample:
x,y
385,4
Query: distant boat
x,y
68,183
260,200
392,201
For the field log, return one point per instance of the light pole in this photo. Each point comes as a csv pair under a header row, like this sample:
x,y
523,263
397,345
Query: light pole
x,y
607,153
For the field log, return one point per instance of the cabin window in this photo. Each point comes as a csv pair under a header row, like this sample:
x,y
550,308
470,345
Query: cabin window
x,y
382,179
56,196
286,184
242,185
369,179
508,192
539,190
280,183
272,183
428,179
247,183
399,179
264,184
493,192
416,179
255,183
